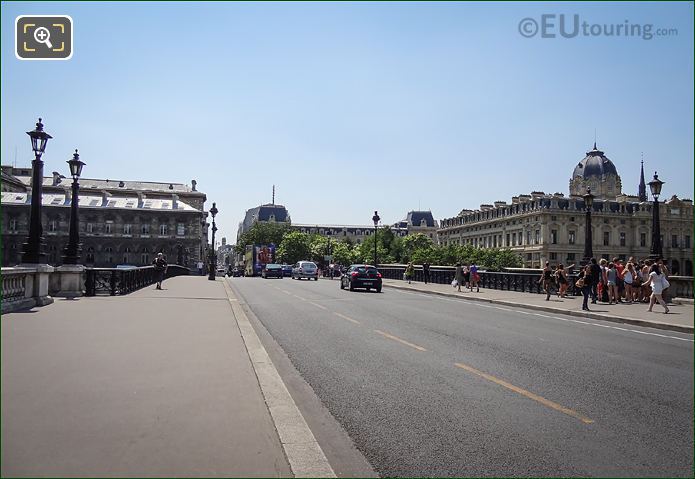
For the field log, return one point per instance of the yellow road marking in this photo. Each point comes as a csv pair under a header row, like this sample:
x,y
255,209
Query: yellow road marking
x,y
403,341
528,394
318,305
346,318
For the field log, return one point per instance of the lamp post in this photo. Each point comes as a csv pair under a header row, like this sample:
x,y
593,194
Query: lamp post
x,y
657,249
33,248
588,248
375,219
71,253
212,269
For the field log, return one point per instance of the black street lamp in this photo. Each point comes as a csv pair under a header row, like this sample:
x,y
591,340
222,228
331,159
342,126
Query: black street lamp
x,y
212,269
375,219
71,253
588,247
33,249
656,250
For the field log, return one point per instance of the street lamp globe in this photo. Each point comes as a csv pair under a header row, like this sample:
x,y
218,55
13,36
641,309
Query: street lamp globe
x,y
75,165
655,186
39,138
376,218
213,210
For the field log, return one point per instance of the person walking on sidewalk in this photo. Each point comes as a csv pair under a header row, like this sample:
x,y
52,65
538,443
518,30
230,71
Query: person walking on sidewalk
x,y
584,283
458,276
160,267
595,271
426,271
409,272
475,277
612,284
561,276
466,276
658,282
546,280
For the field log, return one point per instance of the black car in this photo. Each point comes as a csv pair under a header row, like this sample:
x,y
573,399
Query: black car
x,y
272,271
287,270
236,272
361,276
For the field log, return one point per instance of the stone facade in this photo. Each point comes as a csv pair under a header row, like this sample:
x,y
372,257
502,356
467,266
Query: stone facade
x,y
542,227
120,222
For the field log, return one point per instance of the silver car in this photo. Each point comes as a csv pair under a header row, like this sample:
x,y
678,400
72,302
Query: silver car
x,y
305,269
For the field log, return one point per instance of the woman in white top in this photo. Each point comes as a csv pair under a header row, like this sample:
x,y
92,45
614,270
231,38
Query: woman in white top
x,y
629,277
656,281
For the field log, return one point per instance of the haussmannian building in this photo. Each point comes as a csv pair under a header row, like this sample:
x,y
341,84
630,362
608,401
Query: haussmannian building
x,y
120,222
551,227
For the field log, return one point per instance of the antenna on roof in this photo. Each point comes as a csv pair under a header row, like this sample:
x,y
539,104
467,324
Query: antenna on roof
x,y
273,195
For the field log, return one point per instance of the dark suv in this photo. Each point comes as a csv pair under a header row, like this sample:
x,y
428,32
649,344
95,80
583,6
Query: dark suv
x,y
272,271
361,276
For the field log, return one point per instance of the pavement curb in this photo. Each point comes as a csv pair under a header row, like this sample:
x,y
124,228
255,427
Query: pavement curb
x,y
303,452
548,309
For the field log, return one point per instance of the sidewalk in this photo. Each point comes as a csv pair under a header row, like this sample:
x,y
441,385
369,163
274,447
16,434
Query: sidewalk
x,y
155,383
679,319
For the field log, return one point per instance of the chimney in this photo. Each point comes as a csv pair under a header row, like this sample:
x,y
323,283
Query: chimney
x,y
193,185
141,199
57,178
105,197
175,202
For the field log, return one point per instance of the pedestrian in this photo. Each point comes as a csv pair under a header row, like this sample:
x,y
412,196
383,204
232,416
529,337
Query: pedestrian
x,y
658,282
546,280
466,276
595,279
409,272
646,284
475,278
584,284
458,276
619,267
200,268
612,284
426,271
561,276
160,267
666,273
629,278
604,281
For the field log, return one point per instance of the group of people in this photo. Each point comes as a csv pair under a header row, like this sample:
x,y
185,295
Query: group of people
x,y
409,273
466,276
644,281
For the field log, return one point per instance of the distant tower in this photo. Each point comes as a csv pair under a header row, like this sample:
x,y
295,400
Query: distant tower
x,y
273,194
642,186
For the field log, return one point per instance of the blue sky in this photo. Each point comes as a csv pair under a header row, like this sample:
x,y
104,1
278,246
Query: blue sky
x,y
352,107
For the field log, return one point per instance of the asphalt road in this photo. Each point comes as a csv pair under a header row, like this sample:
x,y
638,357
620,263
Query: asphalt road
x,y
431,386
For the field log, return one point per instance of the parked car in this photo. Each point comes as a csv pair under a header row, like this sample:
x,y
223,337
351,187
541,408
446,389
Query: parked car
x,y
361,276
287,270
272,271
237,272
220,271
305,269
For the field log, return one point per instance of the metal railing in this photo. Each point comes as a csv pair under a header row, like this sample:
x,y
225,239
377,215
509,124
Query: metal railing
x,y
510,281
117,281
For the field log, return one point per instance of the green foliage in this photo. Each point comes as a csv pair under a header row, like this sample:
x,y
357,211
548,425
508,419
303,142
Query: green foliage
x,y
295,246
343,253
263,233
415,242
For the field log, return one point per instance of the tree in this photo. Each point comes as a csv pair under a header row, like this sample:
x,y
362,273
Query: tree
x,y
263,233
295,246
414,242
343,253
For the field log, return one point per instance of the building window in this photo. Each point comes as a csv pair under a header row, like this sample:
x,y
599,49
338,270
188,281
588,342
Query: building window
x,y
553,218
674,241
145,256
180,229
127,228
687,241
606,238
553,236
622,239
571,237
570,257
507,238
90,227
52,225
108,227
571,218
643,239
109,255
513,239
126,255
145,229
90,255
538,237
528,257
13,224
528,237
553,256
163,229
